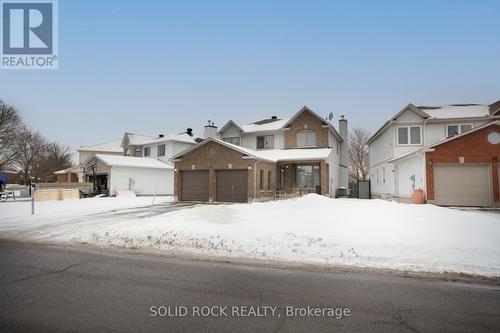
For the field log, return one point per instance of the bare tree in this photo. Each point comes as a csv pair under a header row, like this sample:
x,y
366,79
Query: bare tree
x,y
31,154
10,128
56,157
358,154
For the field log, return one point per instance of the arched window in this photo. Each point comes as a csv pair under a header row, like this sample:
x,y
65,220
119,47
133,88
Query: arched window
x,y
306,139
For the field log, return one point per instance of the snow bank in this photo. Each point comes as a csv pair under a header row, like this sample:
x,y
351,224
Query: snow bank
x,y
312,229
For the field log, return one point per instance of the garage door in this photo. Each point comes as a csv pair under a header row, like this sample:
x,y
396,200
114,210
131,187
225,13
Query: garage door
x,y
462,185
232,185
194,185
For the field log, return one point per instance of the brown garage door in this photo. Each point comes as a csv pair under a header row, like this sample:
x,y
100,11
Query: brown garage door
x,y
194,185
462,185
232,185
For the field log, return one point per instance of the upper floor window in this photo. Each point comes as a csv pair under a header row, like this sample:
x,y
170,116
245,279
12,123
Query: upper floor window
x,y
306,139
456,129
147,151
265,142
409,135
161,150
234,141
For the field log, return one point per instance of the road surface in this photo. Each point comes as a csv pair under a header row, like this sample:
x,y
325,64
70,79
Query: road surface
x,y
56,289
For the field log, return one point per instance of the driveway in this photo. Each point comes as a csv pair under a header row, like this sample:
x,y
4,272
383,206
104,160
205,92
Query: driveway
x,y
53,289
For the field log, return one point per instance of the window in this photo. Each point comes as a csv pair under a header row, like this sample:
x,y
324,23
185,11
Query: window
x,y
306,139
265,142
147,151
455,129
383,175
307,176
261,180
161,150
138,152
234,141
377,175
269,180
409,135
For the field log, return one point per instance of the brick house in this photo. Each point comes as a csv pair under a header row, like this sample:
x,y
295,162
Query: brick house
x,y
243,163
442,150
465,169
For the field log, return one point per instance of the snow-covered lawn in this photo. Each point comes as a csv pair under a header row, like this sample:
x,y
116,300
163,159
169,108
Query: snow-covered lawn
x,y
311,229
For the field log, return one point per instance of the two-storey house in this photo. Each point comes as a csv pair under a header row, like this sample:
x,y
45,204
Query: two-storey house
x,y
242,163
142,166
443,150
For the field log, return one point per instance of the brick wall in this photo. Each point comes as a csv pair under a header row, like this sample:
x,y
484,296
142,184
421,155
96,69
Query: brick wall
x,y
475,148
306,121
213,156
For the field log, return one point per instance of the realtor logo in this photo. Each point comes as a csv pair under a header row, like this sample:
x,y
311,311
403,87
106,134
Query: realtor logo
x,y
29,35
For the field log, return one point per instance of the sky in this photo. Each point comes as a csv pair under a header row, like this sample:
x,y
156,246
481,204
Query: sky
x,y
155,67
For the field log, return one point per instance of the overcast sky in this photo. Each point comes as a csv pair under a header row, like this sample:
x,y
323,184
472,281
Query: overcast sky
x,y
159,67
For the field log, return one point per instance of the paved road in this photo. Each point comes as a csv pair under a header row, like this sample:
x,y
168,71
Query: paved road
x,y
54,289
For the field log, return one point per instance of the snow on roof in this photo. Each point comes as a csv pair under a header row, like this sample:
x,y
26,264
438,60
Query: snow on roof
x,y
135,162
113,146
182,137
68,170
138,139
456,111
268,126
302,154
271,155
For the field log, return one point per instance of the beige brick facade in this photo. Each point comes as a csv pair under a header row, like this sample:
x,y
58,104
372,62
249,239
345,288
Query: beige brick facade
x,y
306,121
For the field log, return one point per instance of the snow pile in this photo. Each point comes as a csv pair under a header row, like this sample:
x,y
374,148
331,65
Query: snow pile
x,y
312,229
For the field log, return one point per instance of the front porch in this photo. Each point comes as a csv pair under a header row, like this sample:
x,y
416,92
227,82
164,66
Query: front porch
x,y
297,178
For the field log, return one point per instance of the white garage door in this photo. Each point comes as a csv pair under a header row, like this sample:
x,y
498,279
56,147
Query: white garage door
x,y
462,185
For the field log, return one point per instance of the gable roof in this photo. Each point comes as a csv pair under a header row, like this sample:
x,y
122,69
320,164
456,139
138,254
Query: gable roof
x,y
276,124
495,108
112,147
431,145
271,155
229,124
129,161
452,111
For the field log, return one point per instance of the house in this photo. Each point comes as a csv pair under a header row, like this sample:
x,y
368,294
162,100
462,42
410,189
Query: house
x,y
447,151
243,163
143,165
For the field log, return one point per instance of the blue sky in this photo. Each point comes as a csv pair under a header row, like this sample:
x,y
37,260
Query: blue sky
x,y
160,66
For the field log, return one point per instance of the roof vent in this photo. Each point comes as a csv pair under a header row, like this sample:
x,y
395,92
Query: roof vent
x,y
161,136
189,131
274,117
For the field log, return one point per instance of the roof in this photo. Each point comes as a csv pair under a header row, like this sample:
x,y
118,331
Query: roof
x,y
456,111
431,145
112,147
271,155
182,137
276,124
129,161
140,139
137,139
452,111
72,169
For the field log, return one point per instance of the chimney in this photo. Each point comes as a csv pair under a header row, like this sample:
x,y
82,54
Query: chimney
x,y
343,154
189,131
210,130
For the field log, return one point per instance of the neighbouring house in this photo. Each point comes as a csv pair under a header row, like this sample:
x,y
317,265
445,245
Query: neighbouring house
x,y
107,148
257,161
450,152
143,165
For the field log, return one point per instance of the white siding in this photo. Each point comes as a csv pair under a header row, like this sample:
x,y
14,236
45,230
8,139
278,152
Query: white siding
x,y
145,181
406,168
231,132
250,140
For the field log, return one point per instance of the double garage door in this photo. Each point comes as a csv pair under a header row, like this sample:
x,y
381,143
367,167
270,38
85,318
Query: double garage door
x,y
231,185
462,185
